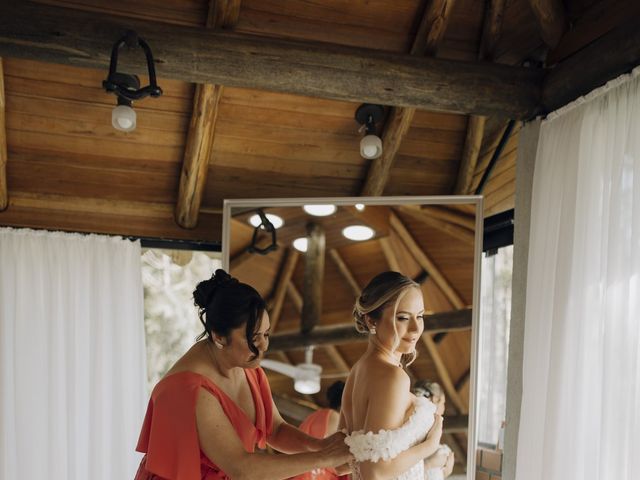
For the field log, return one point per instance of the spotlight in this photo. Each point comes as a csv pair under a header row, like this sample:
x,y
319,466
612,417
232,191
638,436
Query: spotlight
x,y
127,87
320,210
301,244
358,233
368,115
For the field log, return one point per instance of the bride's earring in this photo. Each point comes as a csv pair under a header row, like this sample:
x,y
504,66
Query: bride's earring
x,y
372,330
218,345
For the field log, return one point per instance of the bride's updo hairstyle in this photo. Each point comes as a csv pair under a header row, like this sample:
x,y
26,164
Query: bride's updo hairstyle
x,y
225,304
384,290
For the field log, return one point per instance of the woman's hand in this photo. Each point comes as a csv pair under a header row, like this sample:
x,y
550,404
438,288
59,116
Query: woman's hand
x,y
335,451
448,466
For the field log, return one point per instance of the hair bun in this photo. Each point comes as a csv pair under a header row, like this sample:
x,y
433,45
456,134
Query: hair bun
x,y
205,291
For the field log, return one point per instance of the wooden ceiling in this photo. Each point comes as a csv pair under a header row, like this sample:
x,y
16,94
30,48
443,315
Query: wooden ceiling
x,y
259,101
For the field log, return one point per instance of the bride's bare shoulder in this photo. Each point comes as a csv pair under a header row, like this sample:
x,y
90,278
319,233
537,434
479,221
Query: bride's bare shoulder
x,y
383,373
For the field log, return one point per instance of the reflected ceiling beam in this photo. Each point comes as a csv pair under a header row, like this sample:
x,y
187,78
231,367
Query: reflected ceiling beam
x,y
492,28
613,54
456,231
313,281
449,439
245,255
443,374
336,357
196,55
345,271
293,409
551,20
430,32
288,266
389,254
202,127
425,262
451,216
346,333
4,193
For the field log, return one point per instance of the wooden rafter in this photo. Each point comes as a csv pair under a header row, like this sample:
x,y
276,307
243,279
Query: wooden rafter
x,y
551,19
4,194
313,278
461,233
346,333
197,151
389,254
492,27
294,296
443,374
425,262
288,266
451,216
345,271
432,27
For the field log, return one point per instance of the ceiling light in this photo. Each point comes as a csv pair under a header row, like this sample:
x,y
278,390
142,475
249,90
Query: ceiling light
x,y
358,232
301,244
127,87
275,220
360,206
320,210
368,115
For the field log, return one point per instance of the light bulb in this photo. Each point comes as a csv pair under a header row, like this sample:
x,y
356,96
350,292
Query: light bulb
x,y
360,207
123,118
319,210
301,244
370,146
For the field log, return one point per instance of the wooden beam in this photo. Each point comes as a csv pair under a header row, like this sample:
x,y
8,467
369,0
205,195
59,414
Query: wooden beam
x,y
470,153
432,27
202,127
346,333
345,271
452,216
288,266
389,254
456,423
244,255
456,231
337,358
551,19
61,35
425,262
449,439
613,54
443,374
292,409
491,29
313,278
4,194
294,296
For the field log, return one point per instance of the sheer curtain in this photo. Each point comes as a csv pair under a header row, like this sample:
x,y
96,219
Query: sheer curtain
x,y
72,371
580,413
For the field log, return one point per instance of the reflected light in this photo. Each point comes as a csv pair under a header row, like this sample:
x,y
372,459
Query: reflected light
x,y
275,220
358,232
319,210
300,244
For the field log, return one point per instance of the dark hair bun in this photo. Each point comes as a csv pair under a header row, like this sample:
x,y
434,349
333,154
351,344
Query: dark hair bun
x,y
206,290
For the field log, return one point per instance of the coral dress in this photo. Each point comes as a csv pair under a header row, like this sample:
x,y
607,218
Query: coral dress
x,y
169,436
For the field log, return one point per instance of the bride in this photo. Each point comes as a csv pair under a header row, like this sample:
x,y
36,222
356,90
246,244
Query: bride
x,y
389,430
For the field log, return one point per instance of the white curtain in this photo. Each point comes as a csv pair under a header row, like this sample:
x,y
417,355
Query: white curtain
x,y
72,359
580,415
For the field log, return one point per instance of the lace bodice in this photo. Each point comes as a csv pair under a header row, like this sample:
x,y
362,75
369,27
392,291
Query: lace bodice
x,y
388,444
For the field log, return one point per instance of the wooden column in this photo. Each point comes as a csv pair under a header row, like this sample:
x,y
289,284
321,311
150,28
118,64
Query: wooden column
x,y
202,127
313,278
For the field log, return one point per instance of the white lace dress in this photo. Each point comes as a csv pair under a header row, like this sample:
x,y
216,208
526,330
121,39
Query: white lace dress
x,y
388,444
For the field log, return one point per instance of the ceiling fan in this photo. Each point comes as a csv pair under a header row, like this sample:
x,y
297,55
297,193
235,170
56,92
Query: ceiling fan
x,y
306,376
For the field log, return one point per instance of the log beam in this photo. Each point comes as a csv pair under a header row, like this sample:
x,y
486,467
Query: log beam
x,y
443,374
390,254
456,231
62,35
470,154
551,19
4,194
346,333
202,127
313,278
451,216
617,52
345,271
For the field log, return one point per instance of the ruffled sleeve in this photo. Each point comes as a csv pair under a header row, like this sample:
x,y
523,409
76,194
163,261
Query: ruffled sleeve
x,y
388,444
169,436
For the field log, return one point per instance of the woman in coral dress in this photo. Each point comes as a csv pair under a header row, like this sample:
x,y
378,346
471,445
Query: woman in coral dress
x,y
214,406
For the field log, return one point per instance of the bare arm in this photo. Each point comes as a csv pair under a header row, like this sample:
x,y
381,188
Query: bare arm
x,y
388,412
220,443
288,439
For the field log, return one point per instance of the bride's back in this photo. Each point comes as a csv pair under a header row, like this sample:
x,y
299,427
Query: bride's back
x,y
374,383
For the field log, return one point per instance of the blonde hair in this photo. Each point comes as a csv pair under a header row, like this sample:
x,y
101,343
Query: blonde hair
x,y
383,290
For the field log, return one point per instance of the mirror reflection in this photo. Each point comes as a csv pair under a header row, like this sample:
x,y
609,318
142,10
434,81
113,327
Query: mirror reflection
x,y
311,259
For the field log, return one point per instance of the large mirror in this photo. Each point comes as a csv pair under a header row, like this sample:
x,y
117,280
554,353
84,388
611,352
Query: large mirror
x,y
310,257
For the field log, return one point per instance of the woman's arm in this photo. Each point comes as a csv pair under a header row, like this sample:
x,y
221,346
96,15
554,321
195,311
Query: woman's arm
x,y
288,439
387,411
220,443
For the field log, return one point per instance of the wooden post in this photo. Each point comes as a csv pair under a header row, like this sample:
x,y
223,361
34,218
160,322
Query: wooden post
x,y
313,278
4,194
